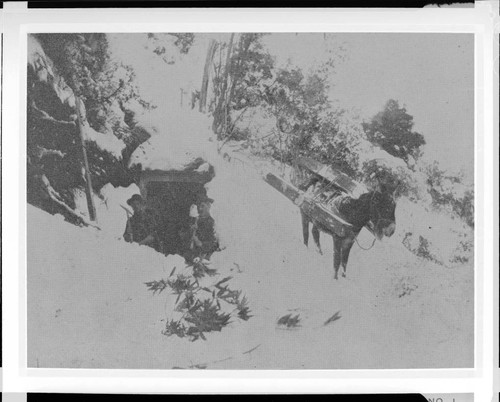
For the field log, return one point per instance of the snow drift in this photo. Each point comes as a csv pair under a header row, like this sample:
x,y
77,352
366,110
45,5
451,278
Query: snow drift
x,y
182,136
88,305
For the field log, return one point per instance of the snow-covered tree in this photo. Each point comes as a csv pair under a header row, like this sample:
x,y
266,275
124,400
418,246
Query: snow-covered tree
x,y
391,129
73,86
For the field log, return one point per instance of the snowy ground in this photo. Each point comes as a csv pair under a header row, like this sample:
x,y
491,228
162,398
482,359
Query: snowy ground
x,y
88,306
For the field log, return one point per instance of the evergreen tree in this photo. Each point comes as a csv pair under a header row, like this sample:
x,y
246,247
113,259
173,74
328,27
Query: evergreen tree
x,y
66,65
391,129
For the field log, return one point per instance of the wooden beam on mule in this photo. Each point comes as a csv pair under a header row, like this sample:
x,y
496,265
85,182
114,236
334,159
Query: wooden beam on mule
x,y
329,173
308,205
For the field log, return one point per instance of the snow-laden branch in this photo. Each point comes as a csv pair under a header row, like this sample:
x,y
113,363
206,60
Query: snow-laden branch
x,y
43,115
42,152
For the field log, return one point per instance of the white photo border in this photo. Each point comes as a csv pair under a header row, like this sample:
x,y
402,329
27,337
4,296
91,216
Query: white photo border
x,y
496,203
20,21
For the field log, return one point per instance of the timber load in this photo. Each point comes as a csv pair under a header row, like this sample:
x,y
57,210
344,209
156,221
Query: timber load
x,y
325,214
340,180
310,207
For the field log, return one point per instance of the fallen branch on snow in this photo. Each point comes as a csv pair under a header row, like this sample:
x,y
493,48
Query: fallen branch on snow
x,y
251,350
203,366
333,318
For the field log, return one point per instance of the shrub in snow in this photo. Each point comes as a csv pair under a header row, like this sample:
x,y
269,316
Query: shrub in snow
x,y
432,234
464,251
420,247
252,124
289,321
199,303
450,193
404,286
393,172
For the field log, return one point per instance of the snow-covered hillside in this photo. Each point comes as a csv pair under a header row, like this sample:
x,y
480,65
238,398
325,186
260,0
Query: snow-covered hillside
x,y
88,306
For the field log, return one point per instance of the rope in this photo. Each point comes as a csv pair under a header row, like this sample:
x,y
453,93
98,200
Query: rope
x,y
329,185
362,248
356,238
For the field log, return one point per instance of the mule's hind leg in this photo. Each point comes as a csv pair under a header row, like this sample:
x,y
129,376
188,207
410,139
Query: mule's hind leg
x,y
305,227
345,250
336,255
315,233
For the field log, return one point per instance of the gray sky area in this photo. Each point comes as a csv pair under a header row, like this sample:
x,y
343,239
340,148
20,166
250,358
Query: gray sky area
x,y
431,74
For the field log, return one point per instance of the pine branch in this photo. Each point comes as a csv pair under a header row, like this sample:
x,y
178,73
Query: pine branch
x,y
181,284
120,87
200,269
243,309
156,286
289,321
333,318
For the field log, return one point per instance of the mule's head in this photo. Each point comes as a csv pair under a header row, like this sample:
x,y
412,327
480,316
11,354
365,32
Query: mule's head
x,y
382,213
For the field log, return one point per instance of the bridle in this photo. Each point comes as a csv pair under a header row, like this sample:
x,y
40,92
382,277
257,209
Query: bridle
x,y
379,219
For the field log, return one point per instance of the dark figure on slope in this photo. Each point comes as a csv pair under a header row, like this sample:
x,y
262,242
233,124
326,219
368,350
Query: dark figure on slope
x,y
142,226
203,239
375,208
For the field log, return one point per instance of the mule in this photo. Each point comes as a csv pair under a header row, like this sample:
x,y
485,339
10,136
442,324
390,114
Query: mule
x,y
376,208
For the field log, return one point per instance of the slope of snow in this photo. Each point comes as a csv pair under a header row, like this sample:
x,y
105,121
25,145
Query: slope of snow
x,y
88,305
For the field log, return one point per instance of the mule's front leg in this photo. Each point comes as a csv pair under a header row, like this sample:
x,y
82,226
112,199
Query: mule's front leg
x,y
315,233
336,255
305,227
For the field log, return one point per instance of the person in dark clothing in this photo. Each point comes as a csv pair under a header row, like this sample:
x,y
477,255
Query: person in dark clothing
x,y
204,239
142,226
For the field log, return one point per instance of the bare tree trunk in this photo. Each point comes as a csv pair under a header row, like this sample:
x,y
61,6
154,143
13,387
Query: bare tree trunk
x,y
206,72
242,50
88,188
222,104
